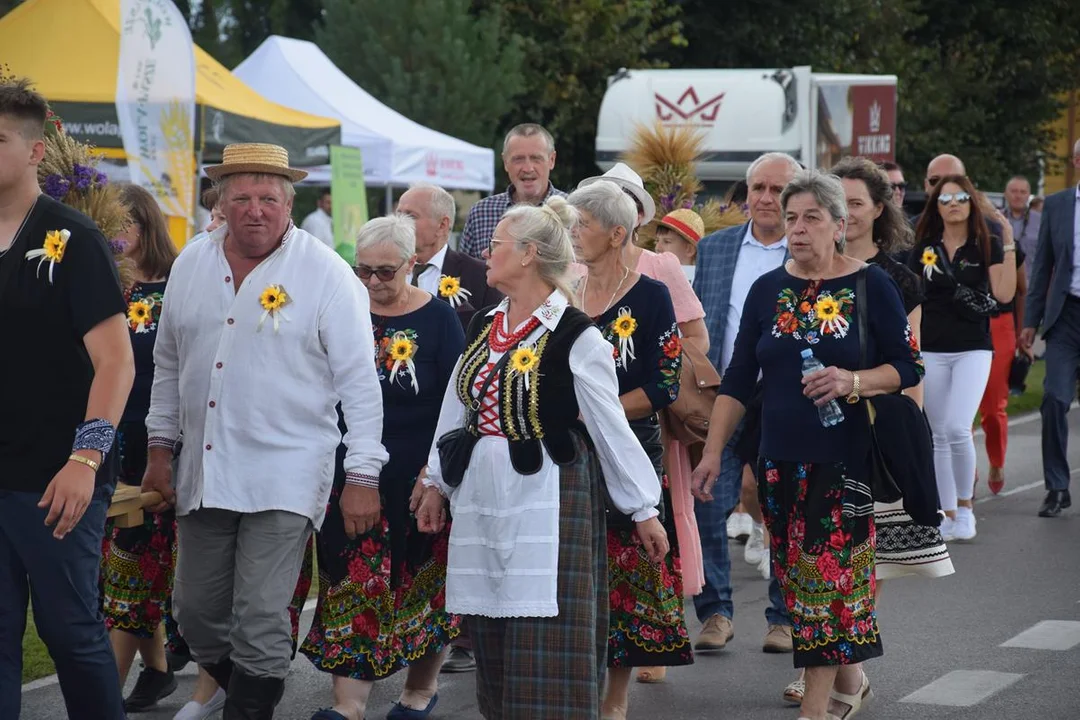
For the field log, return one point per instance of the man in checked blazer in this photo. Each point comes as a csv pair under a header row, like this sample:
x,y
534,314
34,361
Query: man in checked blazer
x,y
1053,302
728,263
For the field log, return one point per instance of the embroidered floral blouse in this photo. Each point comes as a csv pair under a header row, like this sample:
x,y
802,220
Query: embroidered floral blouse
x,y
645,340
143,313
784,315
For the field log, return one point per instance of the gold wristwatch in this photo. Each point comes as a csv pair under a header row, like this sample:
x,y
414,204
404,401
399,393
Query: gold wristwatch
x,y
855,387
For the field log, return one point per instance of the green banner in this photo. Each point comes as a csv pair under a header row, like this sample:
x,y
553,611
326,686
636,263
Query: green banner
x,y
349,196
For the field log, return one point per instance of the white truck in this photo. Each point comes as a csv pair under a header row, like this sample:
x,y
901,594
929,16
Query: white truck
x,y
817,118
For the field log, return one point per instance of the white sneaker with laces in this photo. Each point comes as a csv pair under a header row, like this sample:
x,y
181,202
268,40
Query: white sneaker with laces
x,y
948,529
765,566
755,545
964,527
738,525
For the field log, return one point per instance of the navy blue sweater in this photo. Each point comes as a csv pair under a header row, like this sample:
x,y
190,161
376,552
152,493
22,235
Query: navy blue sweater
x,y
784,315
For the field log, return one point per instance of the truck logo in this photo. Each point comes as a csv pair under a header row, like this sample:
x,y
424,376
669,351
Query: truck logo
x,y
704,112
875,117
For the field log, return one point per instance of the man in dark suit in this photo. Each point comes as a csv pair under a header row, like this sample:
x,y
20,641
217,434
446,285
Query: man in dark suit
x,y
1053,303
447,274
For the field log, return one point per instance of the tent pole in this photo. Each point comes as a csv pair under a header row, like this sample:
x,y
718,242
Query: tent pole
x,y
389,198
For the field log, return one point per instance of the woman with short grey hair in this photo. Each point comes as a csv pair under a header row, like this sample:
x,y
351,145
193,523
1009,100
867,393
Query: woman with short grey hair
x,y
381,602
799,332
647,625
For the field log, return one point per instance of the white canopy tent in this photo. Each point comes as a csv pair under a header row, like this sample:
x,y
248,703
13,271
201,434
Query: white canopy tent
x,y
396,150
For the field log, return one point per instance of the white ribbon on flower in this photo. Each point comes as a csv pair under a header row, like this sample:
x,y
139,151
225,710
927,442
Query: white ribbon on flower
x,y
42,254
457,298
275,315
408,362
626,343
930,268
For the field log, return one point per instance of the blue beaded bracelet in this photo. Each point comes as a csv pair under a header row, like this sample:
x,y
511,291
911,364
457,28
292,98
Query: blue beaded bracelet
x,y
94,435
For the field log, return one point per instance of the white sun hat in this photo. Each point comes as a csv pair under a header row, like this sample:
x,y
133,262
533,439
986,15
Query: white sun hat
x,y
630,181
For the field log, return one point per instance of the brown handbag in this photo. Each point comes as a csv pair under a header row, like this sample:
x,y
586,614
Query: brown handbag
x,y
687,419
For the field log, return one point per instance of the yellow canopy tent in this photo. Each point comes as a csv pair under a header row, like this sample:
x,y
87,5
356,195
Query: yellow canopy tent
x,y
71,49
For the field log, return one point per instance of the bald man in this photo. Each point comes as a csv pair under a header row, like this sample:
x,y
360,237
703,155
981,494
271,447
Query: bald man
x,y
941,166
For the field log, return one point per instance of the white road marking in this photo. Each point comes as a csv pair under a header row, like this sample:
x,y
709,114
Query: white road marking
x,y
962,688
1026,418
1007,493
1048,635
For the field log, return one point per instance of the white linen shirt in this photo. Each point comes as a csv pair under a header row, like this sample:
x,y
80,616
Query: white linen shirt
x,y
754,261
504,542
257,406
429,279
321,225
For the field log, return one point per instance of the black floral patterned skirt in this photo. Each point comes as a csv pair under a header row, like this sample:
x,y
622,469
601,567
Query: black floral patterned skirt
x,y
382,595
821,523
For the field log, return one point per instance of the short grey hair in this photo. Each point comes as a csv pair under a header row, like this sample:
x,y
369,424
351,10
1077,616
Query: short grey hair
x,y
828,193
442,202
1076,149
529,130
772,157
609,204
397,230
223,184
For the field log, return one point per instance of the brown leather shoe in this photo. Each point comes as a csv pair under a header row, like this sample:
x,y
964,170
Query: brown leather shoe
x,y
715,634
778,640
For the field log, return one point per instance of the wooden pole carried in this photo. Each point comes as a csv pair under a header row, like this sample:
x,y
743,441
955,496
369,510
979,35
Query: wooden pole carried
x,y
128,503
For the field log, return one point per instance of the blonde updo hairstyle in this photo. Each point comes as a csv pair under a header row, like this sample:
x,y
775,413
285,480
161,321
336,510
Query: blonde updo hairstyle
x,y
547,228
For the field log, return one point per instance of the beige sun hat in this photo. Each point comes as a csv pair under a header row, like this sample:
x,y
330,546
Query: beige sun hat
x,y
622,175
255,158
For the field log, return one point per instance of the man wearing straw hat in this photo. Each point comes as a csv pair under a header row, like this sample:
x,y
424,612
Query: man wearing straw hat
x,y
264,331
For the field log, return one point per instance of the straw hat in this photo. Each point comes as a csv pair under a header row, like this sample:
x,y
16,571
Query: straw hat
x,y
255,158
686,223
627,179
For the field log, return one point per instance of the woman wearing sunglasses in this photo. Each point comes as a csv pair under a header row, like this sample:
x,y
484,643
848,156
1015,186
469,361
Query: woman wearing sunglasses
x,y
381,602
963,268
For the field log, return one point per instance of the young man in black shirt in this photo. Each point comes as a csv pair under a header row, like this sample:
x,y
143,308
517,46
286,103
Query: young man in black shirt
x,y
65,372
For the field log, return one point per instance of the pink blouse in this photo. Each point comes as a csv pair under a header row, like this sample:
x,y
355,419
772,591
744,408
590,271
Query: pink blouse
x,y
665,268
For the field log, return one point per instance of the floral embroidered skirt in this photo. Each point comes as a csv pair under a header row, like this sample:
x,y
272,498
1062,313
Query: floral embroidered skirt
x,y
137,563
647,623
378,610
823,541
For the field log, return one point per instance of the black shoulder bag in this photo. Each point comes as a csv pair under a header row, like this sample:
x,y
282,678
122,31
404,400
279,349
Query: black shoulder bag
x,y
972,303
455,447
901,455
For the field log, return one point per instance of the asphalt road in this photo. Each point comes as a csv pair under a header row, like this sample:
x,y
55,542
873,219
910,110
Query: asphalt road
x,y
1018,583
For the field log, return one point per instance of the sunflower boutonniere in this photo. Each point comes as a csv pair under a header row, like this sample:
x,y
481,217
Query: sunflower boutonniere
x,y
450,288
929,262
827,310
273,300
402,350
524,361
624,327
52,251
139,314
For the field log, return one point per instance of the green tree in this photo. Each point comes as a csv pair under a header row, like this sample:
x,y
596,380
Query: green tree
x,y
430,60
571,48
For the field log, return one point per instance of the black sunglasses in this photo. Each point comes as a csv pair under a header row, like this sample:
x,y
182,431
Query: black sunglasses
x,y
898,186
386,274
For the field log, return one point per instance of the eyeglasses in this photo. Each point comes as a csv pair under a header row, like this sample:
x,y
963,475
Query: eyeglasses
x,y
384,273
901,186
961,197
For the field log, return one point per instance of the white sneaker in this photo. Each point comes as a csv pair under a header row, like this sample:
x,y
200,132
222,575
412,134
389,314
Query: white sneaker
x,y
948,529
964,527
755,545
738,526
197,711
765,566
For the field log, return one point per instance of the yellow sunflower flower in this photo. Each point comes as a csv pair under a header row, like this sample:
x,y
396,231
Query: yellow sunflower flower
x,y
625,325
138,312
449,286
55,245
523,360
827,308
273,298
401,349
929,257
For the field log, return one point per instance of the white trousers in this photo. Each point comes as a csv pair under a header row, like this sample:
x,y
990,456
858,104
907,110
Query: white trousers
x,y
953,388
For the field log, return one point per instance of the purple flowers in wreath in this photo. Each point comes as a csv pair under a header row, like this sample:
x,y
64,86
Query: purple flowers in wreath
x,y
83,178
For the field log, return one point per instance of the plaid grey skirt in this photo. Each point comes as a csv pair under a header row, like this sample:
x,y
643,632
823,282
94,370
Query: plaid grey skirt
x,y
539,668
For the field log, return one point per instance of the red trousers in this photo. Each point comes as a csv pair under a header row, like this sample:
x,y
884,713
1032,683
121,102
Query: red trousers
x,y
996,396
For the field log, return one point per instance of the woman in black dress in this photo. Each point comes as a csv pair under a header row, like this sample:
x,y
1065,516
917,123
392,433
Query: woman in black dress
x,y
137,563
382,593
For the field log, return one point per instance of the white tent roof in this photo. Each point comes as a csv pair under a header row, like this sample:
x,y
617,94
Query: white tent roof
x,y
396,150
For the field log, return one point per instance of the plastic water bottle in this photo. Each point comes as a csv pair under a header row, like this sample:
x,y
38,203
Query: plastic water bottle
x,y
830,414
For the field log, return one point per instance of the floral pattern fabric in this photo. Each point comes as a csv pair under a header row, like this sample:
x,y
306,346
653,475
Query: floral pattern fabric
x,y
823,544
144,309
813,314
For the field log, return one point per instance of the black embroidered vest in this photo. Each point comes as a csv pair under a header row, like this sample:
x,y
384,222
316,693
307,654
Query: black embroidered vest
x,y
547,411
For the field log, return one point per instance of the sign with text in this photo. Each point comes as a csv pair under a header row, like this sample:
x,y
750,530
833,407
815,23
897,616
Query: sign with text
x,y
349,198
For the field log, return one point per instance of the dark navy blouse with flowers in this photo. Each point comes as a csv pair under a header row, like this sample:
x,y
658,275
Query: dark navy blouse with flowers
x,y
783,316
143,313
645,342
